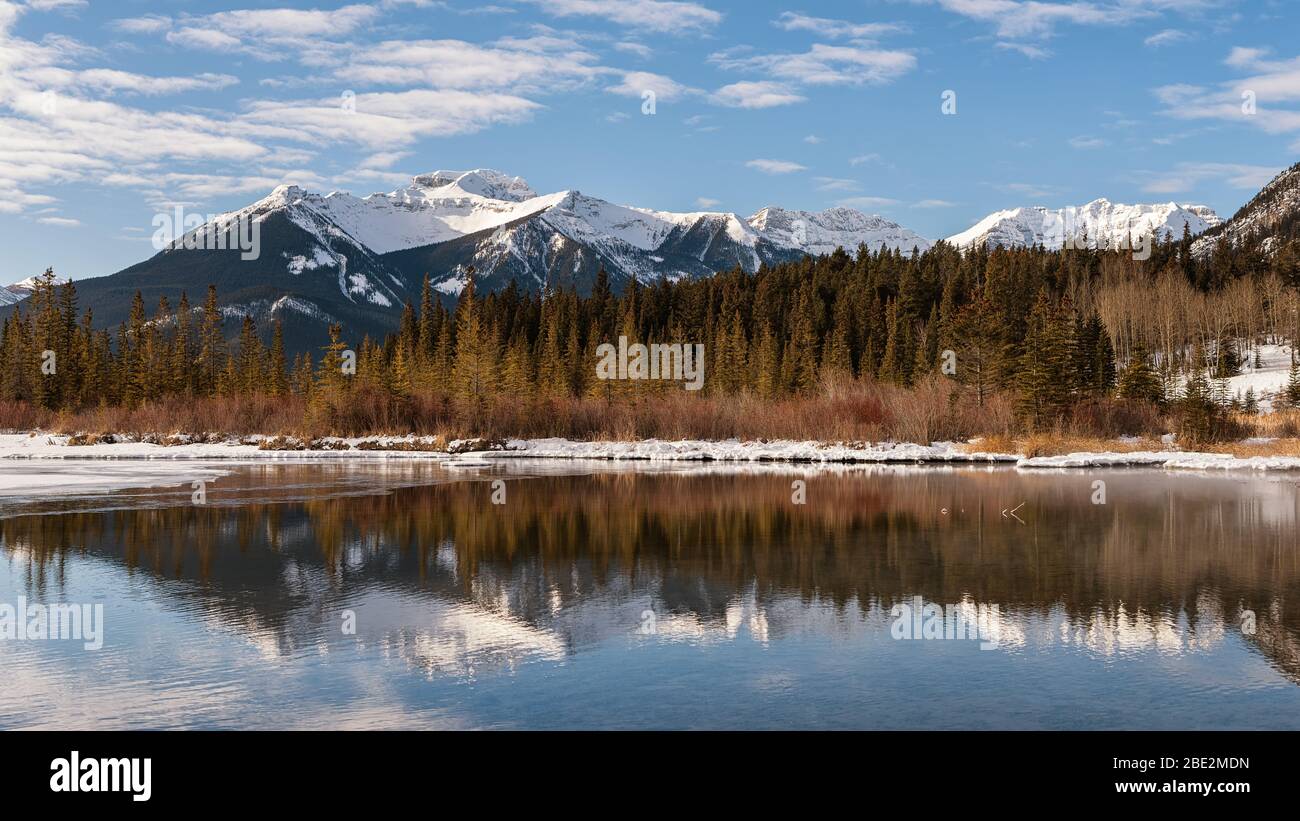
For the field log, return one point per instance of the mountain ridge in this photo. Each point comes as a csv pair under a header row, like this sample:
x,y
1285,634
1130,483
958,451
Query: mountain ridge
x,y
1099,223
337,257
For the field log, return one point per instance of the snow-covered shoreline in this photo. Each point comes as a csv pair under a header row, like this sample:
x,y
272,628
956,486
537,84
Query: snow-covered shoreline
x,y
53,446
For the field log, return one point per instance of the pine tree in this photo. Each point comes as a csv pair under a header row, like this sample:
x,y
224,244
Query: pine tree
x,y
212,345
1139,380
182,375
473,367
249,372
1046,379
977,338
277,376
838,358
1292,391
1199,414
767,355
799,366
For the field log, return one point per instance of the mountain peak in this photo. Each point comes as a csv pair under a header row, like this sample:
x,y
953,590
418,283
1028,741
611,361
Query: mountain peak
x,y
480,182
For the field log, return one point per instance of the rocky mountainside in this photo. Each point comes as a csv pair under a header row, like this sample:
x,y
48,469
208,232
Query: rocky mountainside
x,y
1269,220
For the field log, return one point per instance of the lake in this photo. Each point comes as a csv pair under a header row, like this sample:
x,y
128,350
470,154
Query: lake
x,y
536,594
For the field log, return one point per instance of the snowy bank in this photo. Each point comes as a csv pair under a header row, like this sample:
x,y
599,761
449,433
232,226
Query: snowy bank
x,y
48,446
1163,459
733,450
52,446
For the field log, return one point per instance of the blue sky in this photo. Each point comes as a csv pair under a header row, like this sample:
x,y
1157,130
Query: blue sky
x,y
112,112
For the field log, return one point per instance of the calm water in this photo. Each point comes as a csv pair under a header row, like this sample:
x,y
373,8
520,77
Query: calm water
x,y
602,597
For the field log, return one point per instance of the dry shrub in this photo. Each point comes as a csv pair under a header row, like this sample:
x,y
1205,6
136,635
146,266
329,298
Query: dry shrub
x,y
1276,447
231,415
1281,424
1115,417
1057,443
23,416
841,410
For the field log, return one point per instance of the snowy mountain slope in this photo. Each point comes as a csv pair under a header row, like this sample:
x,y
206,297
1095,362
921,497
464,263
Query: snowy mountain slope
x,y
433,208
1271,218
324,258
17,292
1101,222
822,232
11,294
445,221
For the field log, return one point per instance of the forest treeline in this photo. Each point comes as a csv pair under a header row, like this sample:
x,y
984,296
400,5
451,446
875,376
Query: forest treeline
x,y
1042,329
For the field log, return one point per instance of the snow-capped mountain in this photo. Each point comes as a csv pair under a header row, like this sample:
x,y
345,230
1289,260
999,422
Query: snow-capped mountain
x,y
1271,218
17,292
1100,223
824,231
443,222
356,260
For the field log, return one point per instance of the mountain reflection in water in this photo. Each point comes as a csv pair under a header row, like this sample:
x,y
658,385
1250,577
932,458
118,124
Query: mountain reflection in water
x,y
681,597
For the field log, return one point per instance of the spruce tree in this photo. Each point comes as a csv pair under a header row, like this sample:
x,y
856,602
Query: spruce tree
x,y
1139,380
1291,393
1046,379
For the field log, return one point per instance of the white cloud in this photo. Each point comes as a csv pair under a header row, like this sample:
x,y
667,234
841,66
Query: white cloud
x,y
813,139
387,120
148,24
307,35
835,184
293,23
755,94
638,49
384,159
1086,142
1243,57
111,80
707,202
934,204
1260,99
825,65
1167,37
529,65
637,83
775,166
56,5
1188,175
835,29
653,15
203,39
1031,51
64,222
1034,18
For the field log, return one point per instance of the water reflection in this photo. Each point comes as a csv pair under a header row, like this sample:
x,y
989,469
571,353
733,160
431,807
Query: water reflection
x,y
451,588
